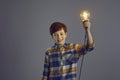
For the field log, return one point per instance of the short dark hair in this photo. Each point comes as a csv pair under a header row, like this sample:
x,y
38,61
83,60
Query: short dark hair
x,y
56,26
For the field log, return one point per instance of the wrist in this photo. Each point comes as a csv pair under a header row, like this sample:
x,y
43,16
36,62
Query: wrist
x,y
87,29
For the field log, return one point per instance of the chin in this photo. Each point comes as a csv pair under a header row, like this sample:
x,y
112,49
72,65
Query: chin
x,y
61,43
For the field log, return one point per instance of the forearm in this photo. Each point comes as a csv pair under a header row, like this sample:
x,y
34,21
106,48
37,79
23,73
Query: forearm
x,y
90,41
87,25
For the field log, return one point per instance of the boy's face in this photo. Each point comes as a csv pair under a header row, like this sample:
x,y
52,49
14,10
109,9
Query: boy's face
x,y
60,37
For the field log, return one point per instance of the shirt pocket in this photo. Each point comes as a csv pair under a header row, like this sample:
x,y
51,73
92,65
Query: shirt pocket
x,y
69,58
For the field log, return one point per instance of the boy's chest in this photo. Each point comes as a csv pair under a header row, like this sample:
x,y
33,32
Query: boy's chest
x,y
61,57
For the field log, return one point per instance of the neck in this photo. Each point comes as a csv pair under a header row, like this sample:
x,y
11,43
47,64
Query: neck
x,y
60,45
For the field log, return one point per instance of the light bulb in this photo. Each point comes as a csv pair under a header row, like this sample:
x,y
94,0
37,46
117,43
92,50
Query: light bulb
x,y
84,15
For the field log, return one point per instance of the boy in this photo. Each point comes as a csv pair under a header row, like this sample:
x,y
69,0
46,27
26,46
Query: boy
x,y
61,59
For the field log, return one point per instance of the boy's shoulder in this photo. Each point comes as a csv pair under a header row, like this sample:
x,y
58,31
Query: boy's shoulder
x,y
49,50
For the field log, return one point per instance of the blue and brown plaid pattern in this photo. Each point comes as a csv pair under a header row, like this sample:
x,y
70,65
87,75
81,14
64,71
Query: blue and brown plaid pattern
x,y
61,62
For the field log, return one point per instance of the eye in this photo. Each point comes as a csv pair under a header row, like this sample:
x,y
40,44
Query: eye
x,y
61,34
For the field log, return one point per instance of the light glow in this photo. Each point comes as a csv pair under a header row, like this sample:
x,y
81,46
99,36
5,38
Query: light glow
x,y
84,15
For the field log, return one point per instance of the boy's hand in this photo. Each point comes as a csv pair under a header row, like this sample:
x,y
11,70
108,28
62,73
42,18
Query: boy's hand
x,y
86,25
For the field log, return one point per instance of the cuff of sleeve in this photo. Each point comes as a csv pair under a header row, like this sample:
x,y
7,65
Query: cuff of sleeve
x,y
91,46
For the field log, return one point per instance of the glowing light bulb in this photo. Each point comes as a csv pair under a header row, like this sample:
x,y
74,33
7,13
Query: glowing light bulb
x,y
84,15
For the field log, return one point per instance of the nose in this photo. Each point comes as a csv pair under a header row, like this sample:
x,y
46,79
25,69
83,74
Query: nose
x,y
59,36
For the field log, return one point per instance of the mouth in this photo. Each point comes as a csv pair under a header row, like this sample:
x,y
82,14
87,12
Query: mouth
x,y
60,40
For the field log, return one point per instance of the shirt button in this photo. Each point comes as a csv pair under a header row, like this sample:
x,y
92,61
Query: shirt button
x,y
61,63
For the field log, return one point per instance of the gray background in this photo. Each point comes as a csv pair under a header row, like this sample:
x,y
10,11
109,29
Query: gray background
x,y
24,36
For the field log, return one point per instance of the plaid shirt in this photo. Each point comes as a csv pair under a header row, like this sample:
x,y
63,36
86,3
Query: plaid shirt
x,y
61,62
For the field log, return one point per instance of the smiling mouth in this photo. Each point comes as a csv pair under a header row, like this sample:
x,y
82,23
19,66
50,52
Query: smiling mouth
x,y
60,40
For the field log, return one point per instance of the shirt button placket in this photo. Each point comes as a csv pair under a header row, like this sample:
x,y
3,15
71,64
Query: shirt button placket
x,y
61,62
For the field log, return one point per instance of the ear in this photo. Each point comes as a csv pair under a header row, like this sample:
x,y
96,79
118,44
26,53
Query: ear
x,y
66,34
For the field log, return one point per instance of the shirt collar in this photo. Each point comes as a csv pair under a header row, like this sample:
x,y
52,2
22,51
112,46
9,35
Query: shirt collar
x,y
57,46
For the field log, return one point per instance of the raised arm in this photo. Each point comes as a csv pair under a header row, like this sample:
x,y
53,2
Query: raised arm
x,y
86,25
